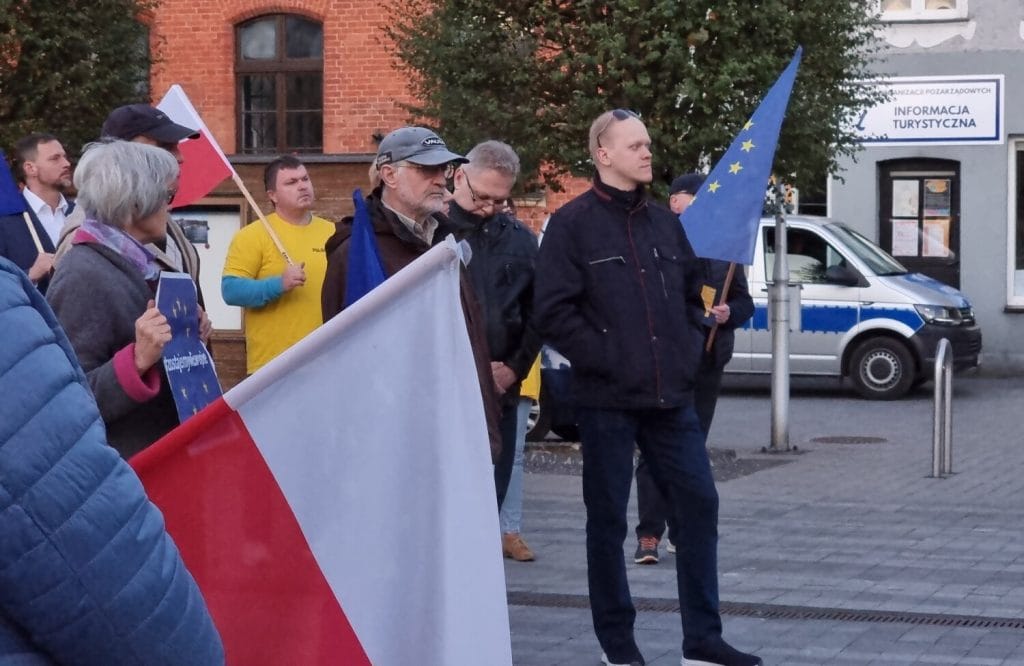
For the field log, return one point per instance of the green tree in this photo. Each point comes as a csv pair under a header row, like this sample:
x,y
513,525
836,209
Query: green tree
x,y
535,73
64,64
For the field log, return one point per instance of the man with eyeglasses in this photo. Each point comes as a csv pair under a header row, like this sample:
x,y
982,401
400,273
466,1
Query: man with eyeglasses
x,y
618,294
501,271
413,166
142,123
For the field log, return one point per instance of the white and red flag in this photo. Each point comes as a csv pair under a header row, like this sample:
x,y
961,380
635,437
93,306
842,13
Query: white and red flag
x,y
204,163
337,507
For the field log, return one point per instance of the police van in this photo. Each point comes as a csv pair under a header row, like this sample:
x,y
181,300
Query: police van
x,y
861,314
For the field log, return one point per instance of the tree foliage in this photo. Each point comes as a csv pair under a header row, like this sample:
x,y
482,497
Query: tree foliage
x,y
535,73
65,64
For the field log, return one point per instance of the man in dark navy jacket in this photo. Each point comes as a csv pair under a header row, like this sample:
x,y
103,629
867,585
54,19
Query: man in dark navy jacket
x,y
617,292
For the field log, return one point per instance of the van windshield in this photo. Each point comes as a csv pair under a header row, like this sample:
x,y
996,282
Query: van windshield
x,y
877,259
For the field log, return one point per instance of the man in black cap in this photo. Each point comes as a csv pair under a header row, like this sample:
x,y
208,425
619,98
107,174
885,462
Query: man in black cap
x,y
737,309
142,123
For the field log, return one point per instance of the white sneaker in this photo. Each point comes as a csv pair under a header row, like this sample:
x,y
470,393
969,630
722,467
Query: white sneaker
x,y
671,549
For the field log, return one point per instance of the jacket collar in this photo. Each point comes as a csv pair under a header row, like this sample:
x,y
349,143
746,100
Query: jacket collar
x,y
630,201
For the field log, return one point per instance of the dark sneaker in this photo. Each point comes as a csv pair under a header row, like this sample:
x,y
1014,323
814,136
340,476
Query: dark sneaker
x,y
646,550
717,652
608,662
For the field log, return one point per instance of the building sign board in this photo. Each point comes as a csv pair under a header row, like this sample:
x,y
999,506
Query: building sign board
x,y
954,110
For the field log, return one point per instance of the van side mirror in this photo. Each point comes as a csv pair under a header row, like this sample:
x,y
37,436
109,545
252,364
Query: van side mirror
x,y
842,275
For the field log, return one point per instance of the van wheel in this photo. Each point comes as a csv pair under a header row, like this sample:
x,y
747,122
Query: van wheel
x,y
882,369
537,423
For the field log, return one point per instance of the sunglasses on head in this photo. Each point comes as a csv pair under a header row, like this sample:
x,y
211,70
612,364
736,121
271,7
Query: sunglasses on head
x,y
616,114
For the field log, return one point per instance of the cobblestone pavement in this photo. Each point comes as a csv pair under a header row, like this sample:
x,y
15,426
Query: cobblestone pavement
x,y
844,554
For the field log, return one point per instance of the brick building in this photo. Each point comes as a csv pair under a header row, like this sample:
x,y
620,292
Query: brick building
x,y
312,77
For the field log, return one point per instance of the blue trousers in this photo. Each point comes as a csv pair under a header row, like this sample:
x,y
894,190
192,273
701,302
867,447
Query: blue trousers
x,y
673,443
652,512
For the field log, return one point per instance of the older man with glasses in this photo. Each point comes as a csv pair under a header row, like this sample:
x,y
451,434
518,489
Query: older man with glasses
x,y
413,166
504,254
618,294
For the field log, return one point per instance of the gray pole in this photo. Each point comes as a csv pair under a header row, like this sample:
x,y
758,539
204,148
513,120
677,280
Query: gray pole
x,y
779,301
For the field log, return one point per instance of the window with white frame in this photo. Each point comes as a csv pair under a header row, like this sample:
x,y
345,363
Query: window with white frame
x,y
923,10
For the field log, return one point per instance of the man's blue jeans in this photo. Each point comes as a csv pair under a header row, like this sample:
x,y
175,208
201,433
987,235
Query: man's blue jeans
x,y
673,443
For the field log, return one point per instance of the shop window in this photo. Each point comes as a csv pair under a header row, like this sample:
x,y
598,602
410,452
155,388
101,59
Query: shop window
x,y
1015,281
279,80
923,10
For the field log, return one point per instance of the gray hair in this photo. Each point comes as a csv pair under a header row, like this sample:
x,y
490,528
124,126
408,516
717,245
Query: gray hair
x,y
494,156
120,182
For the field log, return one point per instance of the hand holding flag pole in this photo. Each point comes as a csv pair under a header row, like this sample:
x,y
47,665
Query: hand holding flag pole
x,y
206,166
722,221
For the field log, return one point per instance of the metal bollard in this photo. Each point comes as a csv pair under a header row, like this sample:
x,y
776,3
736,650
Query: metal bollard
x,y
942,426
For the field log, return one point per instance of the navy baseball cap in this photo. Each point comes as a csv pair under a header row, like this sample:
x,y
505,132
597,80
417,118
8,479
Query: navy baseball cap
x,y
417,145
132,120
688,183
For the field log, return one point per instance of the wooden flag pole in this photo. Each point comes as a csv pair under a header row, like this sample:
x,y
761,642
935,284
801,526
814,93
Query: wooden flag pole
x,y
32,231
721,301
263,219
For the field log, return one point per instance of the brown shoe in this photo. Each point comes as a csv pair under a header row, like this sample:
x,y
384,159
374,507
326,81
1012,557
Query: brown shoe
x,y
513,546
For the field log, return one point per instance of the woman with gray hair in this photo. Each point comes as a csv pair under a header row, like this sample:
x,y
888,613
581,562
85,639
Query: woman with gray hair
x,y
103,289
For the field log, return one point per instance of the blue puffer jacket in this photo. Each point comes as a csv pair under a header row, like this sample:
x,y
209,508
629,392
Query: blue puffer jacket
x,y
88,575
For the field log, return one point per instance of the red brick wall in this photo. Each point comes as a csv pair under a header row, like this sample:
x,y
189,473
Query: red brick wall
x,y
195,42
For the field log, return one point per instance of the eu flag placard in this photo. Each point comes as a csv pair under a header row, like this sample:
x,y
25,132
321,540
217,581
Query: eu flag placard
x,y
190,372
722,220
11,201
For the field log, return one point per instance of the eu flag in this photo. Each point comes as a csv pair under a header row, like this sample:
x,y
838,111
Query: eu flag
x,y
11,201
722,220
365,269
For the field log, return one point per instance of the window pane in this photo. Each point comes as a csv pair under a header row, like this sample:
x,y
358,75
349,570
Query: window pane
x,y
1018,267
303,38
304,92
940,4
304,105
895,5
259,39
259,114
305,131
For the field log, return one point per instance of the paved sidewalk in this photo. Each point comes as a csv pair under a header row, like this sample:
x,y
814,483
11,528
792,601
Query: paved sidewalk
x,y
843,554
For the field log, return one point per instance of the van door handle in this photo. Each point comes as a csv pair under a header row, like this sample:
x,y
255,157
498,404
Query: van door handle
x,y
866,303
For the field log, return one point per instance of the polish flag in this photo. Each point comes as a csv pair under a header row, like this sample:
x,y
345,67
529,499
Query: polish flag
x,y
337,507
204,165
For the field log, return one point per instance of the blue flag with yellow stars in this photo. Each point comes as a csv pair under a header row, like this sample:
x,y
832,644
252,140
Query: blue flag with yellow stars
x,y
722,220
11,201
189,366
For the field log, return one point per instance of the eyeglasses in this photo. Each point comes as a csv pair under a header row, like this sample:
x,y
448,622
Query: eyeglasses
x,y
616,114
447,169
479,200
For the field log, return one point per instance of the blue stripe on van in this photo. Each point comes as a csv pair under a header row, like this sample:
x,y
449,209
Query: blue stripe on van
x,y
838,318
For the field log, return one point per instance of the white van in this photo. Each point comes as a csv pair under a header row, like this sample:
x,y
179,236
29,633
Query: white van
x,y
862,314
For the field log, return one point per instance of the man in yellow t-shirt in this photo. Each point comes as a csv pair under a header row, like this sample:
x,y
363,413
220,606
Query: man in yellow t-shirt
x,y
281,301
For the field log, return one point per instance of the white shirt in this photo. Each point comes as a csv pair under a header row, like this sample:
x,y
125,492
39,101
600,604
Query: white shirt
x,y
52,220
